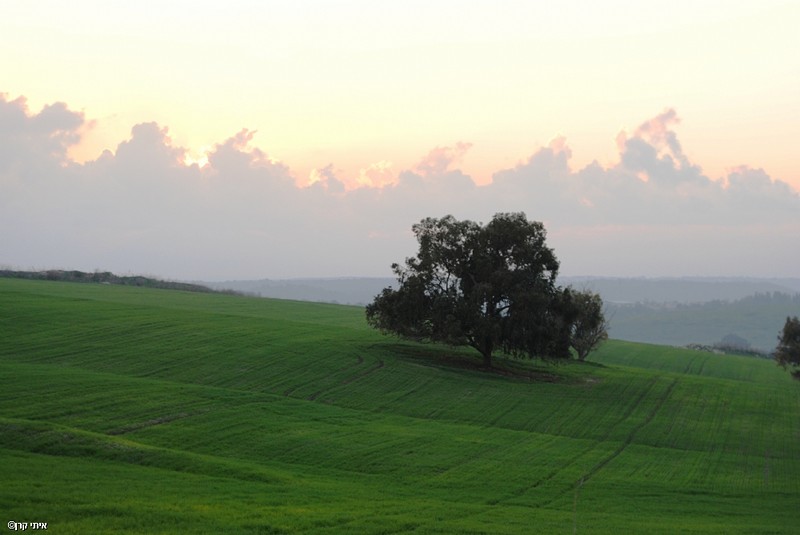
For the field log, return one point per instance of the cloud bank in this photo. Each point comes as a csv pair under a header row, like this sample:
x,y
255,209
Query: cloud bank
x,y
142,209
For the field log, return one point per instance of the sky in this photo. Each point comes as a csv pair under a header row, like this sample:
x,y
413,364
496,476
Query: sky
x,y
229,140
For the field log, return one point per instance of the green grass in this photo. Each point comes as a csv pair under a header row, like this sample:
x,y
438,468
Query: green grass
x,y
126,410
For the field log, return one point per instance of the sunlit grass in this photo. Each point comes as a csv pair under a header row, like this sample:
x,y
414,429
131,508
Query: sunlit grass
x,y
148,411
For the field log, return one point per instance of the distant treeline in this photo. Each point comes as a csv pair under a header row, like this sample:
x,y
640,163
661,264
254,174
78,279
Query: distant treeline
x,y
722,348
106,277
748,325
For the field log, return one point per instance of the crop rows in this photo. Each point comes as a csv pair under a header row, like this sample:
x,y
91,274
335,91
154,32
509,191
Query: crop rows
x,y
223,414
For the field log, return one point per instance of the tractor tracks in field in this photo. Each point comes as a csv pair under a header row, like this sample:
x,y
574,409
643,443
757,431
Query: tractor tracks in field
x,y
378,365
369,371
660,403
688,369
621,448
151,423
359,361
605,438
346,381
288,391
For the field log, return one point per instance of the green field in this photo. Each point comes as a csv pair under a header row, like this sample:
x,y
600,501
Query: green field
x,y
127,410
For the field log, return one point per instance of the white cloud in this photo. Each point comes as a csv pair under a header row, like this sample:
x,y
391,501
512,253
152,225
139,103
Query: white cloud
x,y
141,208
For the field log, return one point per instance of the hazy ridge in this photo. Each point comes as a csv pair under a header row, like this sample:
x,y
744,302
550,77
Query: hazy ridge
x,y
671,311
668,311
361,290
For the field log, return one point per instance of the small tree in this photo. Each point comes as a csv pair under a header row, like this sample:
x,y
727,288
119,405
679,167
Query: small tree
x,y
787,354
590,327
490,287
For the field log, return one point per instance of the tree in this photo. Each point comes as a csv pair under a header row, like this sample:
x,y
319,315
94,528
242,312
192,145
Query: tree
x,y
590,327
788,351
490,287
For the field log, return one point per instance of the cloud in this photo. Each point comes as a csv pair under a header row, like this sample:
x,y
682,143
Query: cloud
x,y
141,208
653,183
658,134
376,174
42,139
326,179
439,160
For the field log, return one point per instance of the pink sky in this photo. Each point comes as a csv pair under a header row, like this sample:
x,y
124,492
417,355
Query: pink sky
x,y
560,110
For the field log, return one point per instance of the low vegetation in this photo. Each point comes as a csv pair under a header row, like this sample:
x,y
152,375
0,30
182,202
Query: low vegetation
x,y
133,410
106,277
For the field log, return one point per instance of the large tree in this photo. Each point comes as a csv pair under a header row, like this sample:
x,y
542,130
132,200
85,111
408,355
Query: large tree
x,y
491,287
787,354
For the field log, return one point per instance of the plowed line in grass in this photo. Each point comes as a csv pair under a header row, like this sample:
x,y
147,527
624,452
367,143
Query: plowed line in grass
x,y
689,366
553,473
357,376
359,361
599,466
149,423
502,414
352,378
688,369
702,365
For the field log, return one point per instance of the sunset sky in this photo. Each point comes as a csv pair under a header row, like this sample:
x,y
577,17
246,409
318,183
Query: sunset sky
x,y
652,138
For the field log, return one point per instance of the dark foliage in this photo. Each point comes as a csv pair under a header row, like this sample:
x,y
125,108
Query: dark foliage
x,y
105,277
590,327
490,287
787,354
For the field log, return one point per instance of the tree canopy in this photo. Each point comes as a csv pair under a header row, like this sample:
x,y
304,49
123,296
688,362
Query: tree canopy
x,y
491,287
787,354
589,327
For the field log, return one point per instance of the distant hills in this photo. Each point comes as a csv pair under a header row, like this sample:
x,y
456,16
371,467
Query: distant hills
x,y
680,290
702,311
345,291
362,290
670,311
753,322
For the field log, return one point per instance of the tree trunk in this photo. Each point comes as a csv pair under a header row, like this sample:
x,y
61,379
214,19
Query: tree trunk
x,y
486,351
485,348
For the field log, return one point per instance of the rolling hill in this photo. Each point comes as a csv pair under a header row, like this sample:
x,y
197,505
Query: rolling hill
x,y
134,410
669,311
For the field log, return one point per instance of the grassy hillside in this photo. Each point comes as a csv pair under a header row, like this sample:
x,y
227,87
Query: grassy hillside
x,y
150,411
